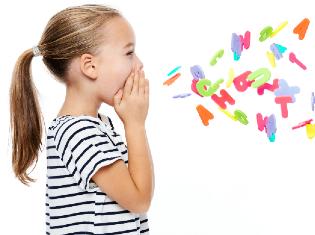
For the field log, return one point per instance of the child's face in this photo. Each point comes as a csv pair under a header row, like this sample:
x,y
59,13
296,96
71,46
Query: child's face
x,y
116,59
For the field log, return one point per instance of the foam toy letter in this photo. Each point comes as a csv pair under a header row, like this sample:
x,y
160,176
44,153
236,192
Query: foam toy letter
x,y
310,131
216,85
241,117
216,56
269,87
277,30
182,95
283,101
272,138
301,124
265,33
236,56
225,97
174,70
193,86
236,45
241,83
227,113
205,114
205,88
261,76
197,72
313,101
285,90
201,87
275,51
231,77
281,49
271,59
239,42
172,79
293,59
261,122
271,127
301,28
245,41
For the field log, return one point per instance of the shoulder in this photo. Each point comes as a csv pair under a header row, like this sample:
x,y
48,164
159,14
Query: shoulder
x,y
76,122
76,127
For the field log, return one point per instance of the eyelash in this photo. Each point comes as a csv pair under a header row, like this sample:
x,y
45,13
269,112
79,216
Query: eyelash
x,y
130,53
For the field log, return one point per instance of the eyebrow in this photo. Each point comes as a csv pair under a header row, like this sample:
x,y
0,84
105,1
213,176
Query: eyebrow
x,y
129,44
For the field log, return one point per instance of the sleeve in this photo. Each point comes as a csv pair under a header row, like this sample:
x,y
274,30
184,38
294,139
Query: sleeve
x,y
110,122
84,149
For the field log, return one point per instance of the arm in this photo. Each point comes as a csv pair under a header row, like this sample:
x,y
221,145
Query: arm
x,y
140,162
131,187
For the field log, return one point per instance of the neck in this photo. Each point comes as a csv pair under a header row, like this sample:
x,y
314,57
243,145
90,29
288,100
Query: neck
x,y
78,103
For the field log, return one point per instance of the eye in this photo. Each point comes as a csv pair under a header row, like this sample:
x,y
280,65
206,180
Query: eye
x,y
130,53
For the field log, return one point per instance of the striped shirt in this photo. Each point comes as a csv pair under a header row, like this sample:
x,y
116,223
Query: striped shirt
x,y
77,146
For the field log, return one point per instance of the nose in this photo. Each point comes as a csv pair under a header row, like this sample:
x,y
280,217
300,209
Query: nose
x,y
138,63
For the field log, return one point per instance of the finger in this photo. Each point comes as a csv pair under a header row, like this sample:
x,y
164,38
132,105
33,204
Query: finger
x,y
128,84
117,98
146,88
135,87
142,83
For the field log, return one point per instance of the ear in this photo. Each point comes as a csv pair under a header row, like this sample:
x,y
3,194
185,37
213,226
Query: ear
x,y
88,66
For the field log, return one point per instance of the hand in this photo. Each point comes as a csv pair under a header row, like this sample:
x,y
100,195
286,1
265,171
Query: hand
x,y
132,103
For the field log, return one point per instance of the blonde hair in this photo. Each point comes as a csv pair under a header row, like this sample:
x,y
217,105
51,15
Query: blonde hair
x,y
68,34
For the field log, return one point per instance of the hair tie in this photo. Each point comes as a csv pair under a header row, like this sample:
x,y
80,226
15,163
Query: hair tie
x,y
36,51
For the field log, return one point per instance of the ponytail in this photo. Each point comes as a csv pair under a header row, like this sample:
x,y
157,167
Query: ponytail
x,y
68,34
25,118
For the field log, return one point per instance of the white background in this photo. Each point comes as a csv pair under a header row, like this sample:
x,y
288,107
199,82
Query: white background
x,y
222,179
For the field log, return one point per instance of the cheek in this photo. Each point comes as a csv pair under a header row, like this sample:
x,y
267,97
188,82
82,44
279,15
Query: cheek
x,y
114,77
122,75
117,79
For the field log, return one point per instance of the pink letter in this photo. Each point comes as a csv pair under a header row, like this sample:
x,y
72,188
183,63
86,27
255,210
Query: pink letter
x,y
283,101
225,97
267,86
241,83
261,122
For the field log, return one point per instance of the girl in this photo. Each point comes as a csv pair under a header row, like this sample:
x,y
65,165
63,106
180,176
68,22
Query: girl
x,y
95,184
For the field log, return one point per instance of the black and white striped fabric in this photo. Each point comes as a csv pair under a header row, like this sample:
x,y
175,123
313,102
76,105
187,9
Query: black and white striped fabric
x,y
77,146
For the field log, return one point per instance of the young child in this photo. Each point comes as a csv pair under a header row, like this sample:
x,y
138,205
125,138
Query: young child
x,y
95,184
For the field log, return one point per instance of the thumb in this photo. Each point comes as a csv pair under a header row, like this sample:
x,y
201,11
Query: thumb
x,y
117,98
